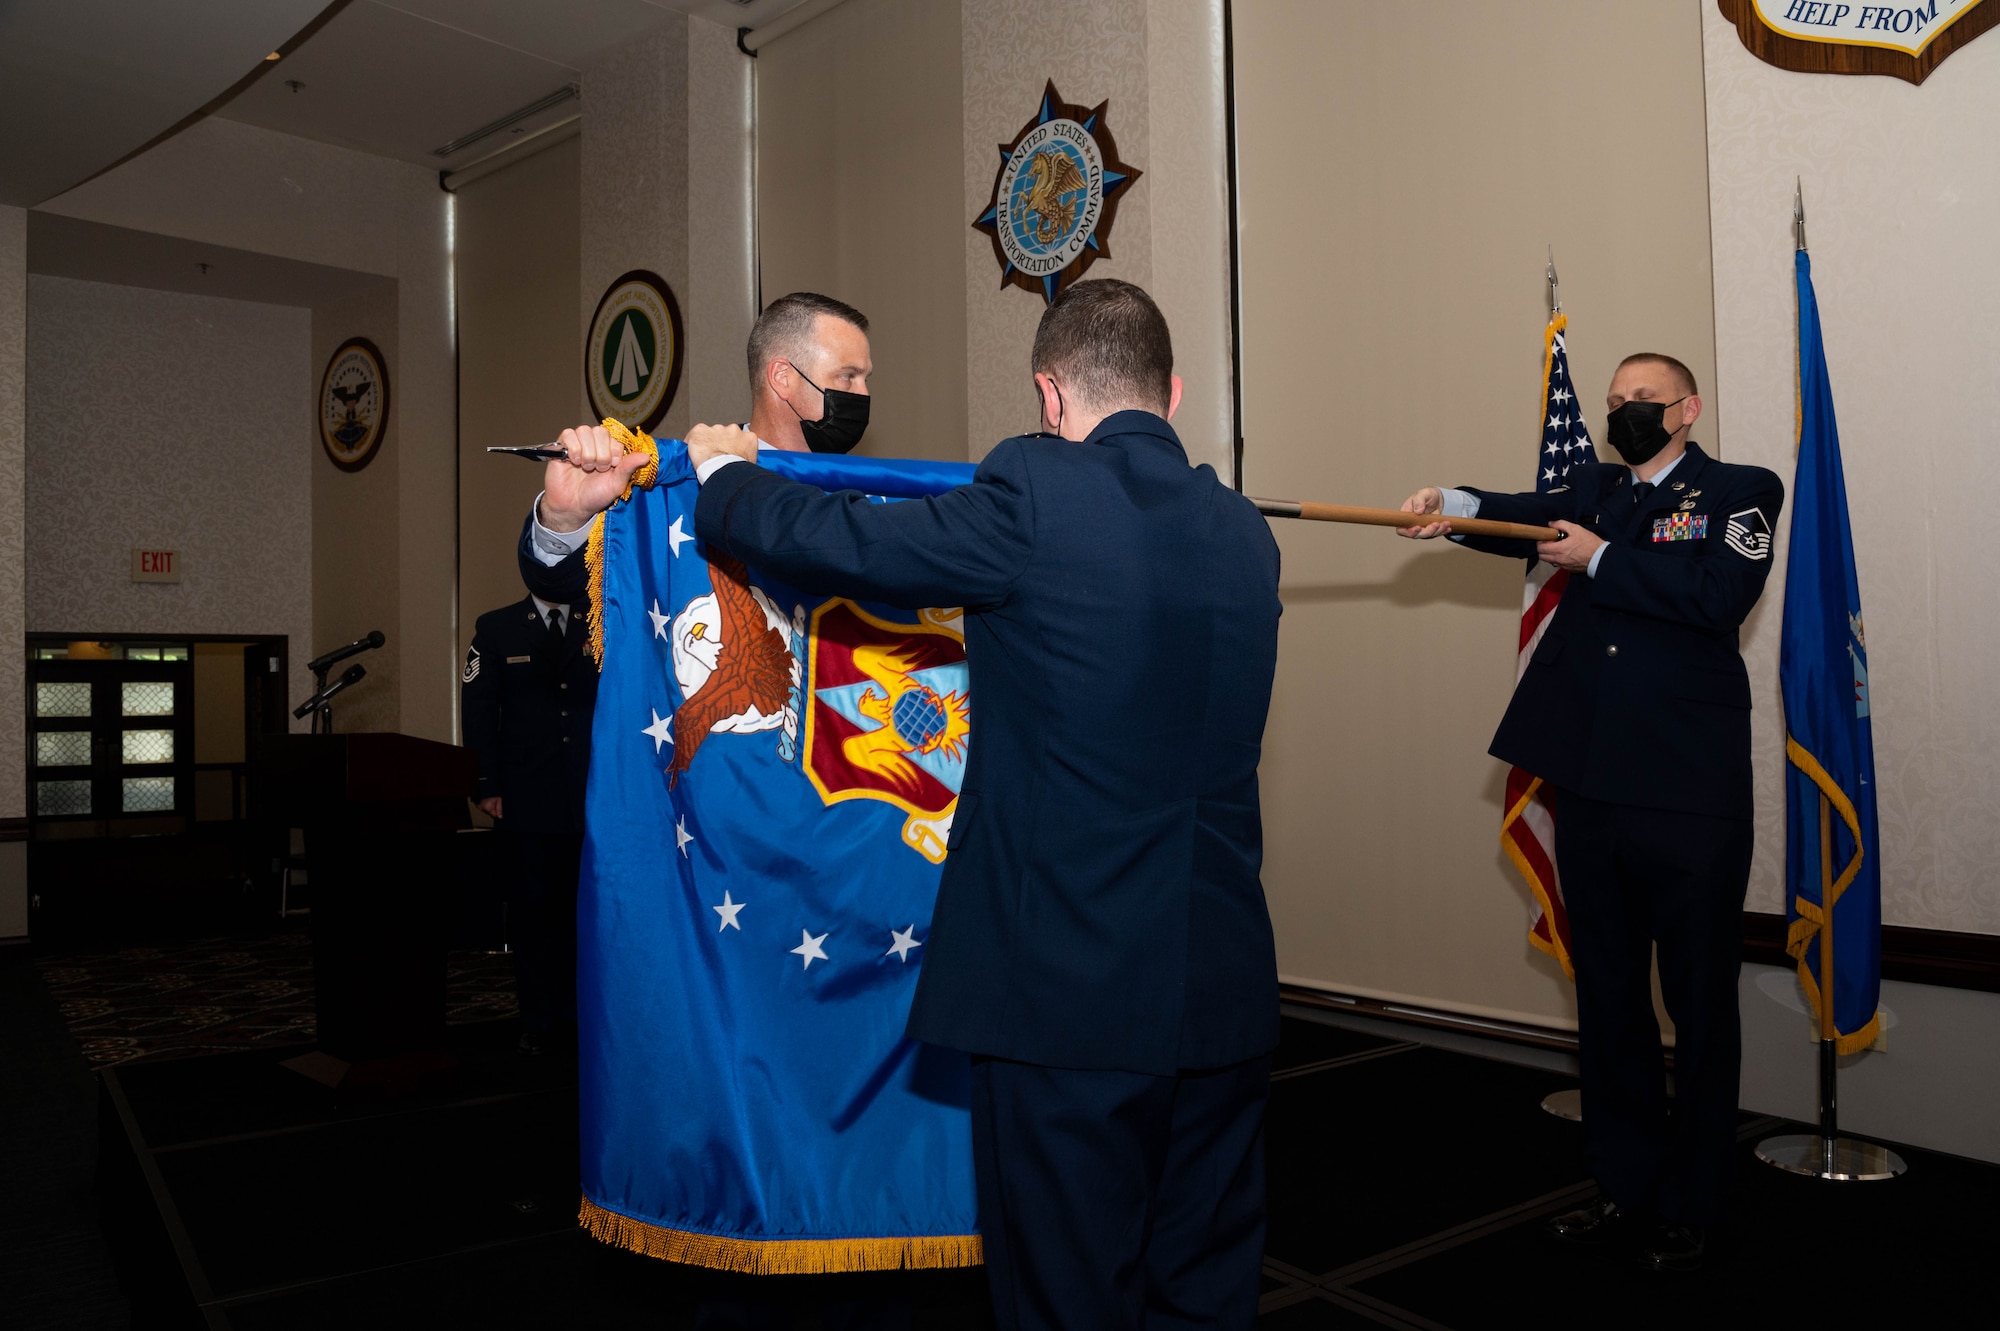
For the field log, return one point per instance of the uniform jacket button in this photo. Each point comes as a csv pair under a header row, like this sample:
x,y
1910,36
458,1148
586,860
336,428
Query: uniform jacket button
x,y
1612,650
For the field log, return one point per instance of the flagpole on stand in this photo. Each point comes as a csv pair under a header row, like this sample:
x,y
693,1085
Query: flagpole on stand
x,y
1826,1154
1565,1103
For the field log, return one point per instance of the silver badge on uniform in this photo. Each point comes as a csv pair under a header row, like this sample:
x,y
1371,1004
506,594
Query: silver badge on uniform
x,y
471,665
1749,534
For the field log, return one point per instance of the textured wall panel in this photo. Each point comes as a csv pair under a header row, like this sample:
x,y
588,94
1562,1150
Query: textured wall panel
x,y
202,403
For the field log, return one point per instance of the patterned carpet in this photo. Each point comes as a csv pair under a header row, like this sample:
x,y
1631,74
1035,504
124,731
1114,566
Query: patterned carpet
x,y
224,995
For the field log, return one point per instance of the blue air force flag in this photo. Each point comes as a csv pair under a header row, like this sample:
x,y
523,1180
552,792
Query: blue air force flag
x,y
773,778
1833,863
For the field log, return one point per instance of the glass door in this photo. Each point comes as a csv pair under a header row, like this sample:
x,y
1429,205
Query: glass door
x,y
111,748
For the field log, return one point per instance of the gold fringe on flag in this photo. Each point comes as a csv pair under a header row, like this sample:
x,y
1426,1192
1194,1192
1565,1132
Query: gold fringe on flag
x,y
1553,944
779,1257
633,441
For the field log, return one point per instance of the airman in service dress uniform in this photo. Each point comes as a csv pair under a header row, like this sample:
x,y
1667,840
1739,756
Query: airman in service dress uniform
x,y
528,691
1635,709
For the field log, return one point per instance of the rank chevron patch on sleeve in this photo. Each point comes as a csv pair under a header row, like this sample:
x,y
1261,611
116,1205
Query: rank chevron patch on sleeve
x,y
1749,534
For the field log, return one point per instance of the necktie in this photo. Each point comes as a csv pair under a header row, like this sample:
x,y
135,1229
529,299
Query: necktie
x,y
1640,489
556,625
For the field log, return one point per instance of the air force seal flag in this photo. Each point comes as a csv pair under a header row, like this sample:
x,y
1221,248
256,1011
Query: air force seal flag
x,y
773,780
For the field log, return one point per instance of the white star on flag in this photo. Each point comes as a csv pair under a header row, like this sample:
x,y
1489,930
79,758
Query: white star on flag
x,y
728,911
809,948
682,836
662,730
659,620
904,940
677,538
1549,474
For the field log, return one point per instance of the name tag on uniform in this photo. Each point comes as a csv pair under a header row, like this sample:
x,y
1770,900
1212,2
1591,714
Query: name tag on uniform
x,y
523,660
1681,527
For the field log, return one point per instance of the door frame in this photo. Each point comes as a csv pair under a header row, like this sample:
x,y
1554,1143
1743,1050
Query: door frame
x,y
265,711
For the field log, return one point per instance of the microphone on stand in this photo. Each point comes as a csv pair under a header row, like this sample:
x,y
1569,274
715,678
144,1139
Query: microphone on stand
x,y
319,664
355,674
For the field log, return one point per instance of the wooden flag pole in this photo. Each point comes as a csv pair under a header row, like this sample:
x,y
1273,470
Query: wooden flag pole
x,y
1389,517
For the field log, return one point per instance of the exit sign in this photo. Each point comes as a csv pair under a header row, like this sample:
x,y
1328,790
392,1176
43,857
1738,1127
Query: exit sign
x,y
156,565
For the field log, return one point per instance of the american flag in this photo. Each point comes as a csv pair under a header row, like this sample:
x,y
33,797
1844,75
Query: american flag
x,y
1528,831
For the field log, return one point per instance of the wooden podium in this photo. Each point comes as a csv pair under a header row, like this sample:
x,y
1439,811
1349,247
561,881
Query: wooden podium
x,y
380,812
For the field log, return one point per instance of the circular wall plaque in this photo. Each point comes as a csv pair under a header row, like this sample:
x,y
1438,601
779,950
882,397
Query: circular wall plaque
x,y
353,404
632,360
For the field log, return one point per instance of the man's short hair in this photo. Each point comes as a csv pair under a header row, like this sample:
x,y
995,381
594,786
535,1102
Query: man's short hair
x,y
1674,367
784,330
1106,343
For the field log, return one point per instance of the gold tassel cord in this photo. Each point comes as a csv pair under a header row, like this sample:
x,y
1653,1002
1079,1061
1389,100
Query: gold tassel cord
x,y
779,1257
632,441
1812,915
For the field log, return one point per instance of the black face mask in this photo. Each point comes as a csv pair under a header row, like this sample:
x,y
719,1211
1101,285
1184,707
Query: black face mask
x,y
1637,430
843,419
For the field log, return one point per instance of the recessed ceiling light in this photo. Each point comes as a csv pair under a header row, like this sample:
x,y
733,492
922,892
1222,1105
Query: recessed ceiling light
x,y
272,56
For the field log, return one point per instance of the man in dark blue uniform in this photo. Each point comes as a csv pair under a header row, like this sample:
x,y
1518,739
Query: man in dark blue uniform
x,y
1100,944
1635,708
527,694
807,353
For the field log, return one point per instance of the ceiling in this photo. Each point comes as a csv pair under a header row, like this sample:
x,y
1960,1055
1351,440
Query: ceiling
x,y
61,246
403,77
85,83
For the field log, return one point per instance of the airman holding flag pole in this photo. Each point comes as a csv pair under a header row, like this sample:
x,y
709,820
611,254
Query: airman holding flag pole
x,y
1635,708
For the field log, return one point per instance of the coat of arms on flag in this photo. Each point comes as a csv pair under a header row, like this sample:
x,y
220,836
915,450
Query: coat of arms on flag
x,y
773,774
889,716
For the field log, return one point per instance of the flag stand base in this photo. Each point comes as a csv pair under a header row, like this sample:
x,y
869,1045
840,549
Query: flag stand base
x,y
1564,1104
1839,1159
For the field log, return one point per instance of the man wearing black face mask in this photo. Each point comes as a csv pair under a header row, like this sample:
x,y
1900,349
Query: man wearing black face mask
x,y
809,367
1635,711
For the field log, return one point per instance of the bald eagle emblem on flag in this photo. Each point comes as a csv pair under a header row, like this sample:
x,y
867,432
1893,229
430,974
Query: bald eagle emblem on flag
x,y
888,717
732,654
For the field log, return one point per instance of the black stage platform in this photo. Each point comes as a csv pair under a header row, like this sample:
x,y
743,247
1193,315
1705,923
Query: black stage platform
x,y
1407,1187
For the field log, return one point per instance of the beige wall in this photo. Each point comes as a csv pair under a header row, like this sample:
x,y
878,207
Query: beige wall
x,y
13,567
1012,48
208,396
218,702
357,550
877,136
720,303
1398,192
519,361
635,180
1902,190
858,172
1188,176
233,184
